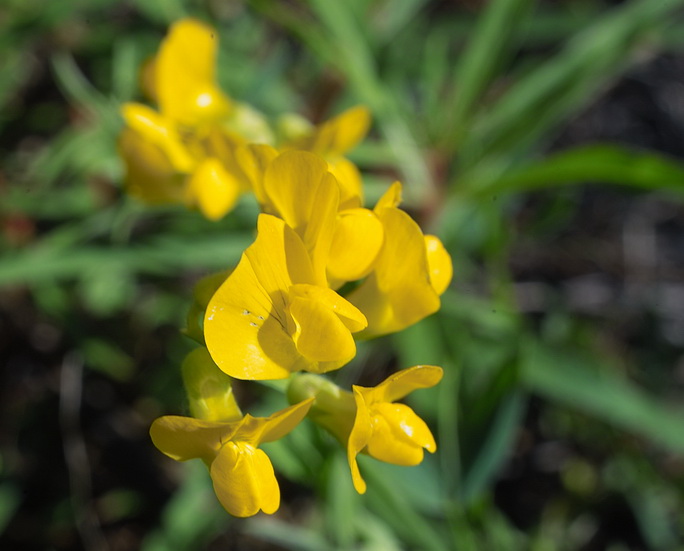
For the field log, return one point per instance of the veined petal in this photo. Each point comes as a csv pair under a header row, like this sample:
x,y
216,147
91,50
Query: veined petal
x,y
439,263
160,131
183,438
355,246
186,74
244,480
399,435
213,189
358,439
398,292
257,430
403,382
245,332
246,327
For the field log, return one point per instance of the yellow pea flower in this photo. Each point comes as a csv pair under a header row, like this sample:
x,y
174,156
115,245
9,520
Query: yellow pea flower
x,y
189,156
409,275
184,75
271,316
367,420
298,187
162,167
150,175
388,431
242,474
331,140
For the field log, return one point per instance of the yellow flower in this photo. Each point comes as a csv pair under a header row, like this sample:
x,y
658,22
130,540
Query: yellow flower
x,y
388,431
242,473
331,140
185,153
272,317
368,420
163,167
184,75
412,270
297,186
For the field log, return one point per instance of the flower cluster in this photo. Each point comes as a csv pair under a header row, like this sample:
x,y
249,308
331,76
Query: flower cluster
x,y
323,272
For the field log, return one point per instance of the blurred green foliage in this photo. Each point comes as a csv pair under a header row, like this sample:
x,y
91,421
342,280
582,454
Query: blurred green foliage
x,y
545,431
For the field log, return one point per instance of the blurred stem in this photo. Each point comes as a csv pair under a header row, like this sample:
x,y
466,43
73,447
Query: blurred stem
x,y
76,455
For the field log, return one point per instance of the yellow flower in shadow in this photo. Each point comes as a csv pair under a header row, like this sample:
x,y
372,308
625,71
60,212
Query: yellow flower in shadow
x,y
272,316
185,152
368,420
412,270
242,474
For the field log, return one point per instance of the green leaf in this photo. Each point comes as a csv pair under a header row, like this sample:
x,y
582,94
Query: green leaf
x,y
342,502
562,85
609,164
566,378
496,446
491,41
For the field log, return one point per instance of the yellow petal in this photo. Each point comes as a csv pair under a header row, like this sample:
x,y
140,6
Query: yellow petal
x,y
213,189
401,383
352,318
291,184
246,324
356,244
439,262
398,292
319,231
257,430
343,132
245,332
349,178
253,160
159,131
224,146
186,74
210,393
279,258
183,438
150,176
399,435
391,198
358,439
244,480
320,335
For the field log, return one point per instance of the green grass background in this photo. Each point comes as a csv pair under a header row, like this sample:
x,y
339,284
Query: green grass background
x,y
557,429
